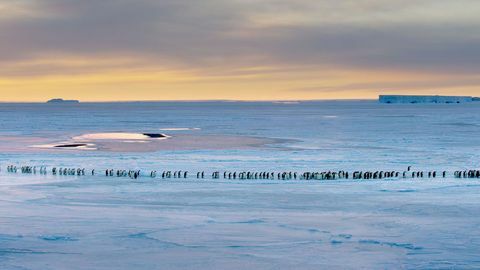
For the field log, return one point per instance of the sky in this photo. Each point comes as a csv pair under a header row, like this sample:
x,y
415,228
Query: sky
x,y
116,50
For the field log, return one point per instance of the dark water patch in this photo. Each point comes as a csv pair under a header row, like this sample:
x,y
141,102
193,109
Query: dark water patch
x,y
345,236
277,244
390,244
336,242
57,238
406,190
398,190
397,116
237,246
251,221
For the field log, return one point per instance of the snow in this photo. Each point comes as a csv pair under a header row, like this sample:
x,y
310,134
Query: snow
x,y
97,223
68,222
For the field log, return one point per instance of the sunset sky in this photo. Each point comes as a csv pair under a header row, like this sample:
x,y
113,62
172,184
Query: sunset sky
x,y
115,50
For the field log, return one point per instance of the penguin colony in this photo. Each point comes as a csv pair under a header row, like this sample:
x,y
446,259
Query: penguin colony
x,y
248,175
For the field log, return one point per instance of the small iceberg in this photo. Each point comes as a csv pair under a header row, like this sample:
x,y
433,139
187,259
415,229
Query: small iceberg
x,y
73,145
120,136
62,101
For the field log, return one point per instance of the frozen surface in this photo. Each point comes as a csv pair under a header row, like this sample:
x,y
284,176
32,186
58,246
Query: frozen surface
x,y
49,222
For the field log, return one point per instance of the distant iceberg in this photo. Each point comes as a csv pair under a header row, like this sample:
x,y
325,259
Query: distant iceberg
x,y
60,100
424,99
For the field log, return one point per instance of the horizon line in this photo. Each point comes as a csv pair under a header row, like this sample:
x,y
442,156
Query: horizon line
x,y
200,100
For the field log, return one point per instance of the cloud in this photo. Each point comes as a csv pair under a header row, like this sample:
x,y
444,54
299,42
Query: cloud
x,y
431,85
230,35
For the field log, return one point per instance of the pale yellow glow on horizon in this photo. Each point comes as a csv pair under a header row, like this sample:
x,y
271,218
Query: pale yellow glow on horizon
x,y
243,83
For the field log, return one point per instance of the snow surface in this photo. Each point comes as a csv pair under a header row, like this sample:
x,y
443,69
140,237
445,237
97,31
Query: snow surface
x,y
64,222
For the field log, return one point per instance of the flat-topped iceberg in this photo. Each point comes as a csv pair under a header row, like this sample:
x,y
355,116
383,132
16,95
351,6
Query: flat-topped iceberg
x,y
423,99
